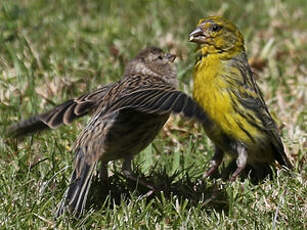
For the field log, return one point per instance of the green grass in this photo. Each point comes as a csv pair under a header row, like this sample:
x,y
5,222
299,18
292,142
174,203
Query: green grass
x,y
51,51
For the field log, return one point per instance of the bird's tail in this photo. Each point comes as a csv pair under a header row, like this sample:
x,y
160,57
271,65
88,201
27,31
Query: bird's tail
x,y
280,154
75,197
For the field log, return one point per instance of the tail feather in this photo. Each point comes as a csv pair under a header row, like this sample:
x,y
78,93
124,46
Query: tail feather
x,y
75,197
279,150
281,157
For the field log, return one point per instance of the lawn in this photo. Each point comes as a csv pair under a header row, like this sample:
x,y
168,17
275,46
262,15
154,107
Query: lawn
x,y
51,51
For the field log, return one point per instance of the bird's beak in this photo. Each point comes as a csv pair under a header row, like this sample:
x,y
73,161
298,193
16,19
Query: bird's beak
x,y
197,36
171,57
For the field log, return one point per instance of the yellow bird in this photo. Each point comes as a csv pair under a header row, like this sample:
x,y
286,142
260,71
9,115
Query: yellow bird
x,y
240,122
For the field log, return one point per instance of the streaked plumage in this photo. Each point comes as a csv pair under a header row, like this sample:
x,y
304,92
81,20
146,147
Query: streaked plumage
x,y
225,87
127,119
64,113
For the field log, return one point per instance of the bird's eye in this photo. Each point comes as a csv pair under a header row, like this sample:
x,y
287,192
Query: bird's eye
x,y
216,27
160,57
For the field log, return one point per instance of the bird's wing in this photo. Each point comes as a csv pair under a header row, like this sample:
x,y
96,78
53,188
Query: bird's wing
x,y
159,99
64,113
254,109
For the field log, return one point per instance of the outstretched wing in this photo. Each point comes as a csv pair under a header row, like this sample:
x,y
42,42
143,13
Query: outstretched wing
x,y
160,99
62,114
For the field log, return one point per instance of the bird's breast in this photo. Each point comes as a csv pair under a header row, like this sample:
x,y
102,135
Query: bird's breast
x,y
212,92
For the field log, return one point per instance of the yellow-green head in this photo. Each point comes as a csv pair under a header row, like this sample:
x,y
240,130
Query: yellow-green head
x,y
217,35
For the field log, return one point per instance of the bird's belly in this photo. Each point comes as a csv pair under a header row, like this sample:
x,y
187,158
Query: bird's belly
x,y
130,133
230,128
229,125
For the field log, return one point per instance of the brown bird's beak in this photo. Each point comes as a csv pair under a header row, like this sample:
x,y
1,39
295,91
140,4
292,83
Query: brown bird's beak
x,y
197,36
171,57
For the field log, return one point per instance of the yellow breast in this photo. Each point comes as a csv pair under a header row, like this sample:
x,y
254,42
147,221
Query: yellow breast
x,y
211,91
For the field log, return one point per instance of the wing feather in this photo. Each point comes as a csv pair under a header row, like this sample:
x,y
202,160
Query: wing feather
x,y
64,113
158,99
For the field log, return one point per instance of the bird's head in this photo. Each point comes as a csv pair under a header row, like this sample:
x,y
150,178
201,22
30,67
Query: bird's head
x,y
217,35
154,61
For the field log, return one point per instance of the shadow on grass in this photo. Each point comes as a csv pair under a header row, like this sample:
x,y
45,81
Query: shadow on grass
x,y
197,191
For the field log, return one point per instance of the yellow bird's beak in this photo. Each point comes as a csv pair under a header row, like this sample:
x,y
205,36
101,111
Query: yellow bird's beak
x,y
197,36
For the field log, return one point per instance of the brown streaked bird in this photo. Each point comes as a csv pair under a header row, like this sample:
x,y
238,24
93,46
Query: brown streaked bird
x,y
128,117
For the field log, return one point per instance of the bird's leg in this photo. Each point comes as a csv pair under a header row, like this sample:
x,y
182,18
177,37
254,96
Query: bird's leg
x,y
103,172
215,161
127,170
241,161
126,167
